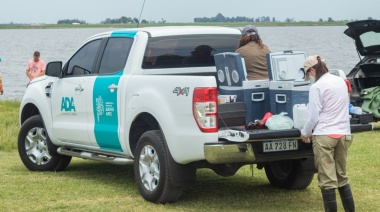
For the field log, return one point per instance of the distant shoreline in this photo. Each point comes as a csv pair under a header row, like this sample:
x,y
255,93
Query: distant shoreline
x,y
260,24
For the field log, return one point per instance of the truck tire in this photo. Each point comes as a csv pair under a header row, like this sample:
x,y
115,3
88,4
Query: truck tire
x,y
288,174
152,171
34,145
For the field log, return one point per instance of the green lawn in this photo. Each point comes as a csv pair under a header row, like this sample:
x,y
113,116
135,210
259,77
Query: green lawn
x,y
94,186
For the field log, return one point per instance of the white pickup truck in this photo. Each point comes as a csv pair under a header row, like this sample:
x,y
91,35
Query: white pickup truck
x,y
148,97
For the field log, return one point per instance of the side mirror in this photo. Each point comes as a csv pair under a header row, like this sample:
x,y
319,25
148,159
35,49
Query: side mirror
x,y
54,69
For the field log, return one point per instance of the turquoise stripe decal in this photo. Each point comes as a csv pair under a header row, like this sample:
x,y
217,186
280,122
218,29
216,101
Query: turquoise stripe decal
x,y
128,34
105,112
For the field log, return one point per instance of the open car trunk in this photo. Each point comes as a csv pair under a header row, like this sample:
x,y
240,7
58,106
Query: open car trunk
x,y
368,76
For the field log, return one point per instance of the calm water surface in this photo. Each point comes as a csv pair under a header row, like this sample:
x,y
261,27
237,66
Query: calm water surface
x,y
17,47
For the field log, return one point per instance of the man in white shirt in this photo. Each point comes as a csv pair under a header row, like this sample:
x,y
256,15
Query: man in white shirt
x,y
328,124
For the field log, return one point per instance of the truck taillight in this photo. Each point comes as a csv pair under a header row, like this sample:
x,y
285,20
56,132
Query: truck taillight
x,y
205,109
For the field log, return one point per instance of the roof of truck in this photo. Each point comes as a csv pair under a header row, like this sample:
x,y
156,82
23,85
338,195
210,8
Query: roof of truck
x,y
171,31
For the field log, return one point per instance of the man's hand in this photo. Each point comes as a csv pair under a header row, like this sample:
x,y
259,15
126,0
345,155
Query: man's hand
x,y
305,139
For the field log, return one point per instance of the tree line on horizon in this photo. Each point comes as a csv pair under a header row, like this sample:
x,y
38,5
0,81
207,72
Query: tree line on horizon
x,y
121,20
218,18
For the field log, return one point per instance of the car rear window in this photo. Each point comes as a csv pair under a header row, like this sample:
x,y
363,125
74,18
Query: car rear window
x,y
187,51
370,39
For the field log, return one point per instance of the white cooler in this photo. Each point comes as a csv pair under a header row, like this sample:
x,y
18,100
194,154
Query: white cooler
x,y
287,86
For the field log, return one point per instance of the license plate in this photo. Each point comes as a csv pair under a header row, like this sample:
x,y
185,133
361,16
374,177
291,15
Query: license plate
x,y
280,145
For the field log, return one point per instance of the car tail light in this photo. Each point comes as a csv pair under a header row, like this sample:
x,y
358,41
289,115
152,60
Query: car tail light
x,y
205,109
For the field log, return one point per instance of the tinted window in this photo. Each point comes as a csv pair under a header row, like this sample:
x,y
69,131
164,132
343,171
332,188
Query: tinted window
x,y
115,55
83,61
370,39
187,51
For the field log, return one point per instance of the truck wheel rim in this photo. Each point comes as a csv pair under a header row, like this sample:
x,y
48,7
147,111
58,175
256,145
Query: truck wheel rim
x,y
149,166
36,147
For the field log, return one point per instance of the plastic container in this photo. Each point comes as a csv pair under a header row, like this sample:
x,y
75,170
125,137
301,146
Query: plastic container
x,y
354,110
299,115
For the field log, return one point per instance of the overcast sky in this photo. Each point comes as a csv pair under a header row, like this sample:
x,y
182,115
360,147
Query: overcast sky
x,y
95,11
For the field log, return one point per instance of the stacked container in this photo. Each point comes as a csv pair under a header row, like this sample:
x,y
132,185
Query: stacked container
x,y
231,75
287,86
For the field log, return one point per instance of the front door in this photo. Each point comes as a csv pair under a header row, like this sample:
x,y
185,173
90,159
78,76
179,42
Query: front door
x,y
69,108
70,93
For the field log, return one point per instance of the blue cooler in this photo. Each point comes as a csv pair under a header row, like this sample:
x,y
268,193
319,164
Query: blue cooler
x,y
256,98
231,75
287,86
285,94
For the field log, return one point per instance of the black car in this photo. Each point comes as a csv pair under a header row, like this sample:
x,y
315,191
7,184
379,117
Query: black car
x,y
366,74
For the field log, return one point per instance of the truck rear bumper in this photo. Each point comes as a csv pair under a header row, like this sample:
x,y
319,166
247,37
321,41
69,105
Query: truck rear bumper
x,y
251,151
227,152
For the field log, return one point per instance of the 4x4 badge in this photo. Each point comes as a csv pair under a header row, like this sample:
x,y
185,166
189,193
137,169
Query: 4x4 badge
x,y
181,91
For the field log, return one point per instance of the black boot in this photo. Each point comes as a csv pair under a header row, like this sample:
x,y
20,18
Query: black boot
x,y
347,198
329,200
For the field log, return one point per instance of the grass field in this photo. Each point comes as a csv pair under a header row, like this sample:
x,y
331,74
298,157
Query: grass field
x,y
94,186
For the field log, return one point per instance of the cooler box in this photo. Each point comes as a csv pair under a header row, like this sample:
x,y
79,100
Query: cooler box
x,y
284,95
256,98
230,70
287,86
286,65
231,75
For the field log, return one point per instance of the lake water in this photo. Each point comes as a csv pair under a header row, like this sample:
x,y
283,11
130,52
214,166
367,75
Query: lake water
x,y
17,47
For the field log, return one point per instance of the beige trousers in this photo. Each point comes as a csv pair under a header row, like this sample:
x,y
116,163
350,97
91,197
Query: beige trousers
x,y
330,156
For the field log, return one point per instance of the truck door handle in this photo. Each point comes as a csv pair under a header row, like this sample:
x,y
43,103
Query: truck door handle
x,y
113,87
79,88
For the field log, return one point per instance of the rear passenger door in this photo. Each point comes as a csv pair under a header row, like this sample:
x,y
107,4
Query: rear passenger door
x,y
103,112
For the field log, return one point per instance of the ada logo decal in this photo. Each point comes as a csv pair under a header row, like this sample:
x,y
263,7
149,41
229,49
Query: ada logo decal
x,y
181,91
67,104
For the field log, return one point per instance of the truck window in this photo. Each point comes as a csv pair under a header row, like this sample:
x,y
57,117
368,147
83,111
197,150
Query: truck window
x,y
115,55
83,60
187,51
